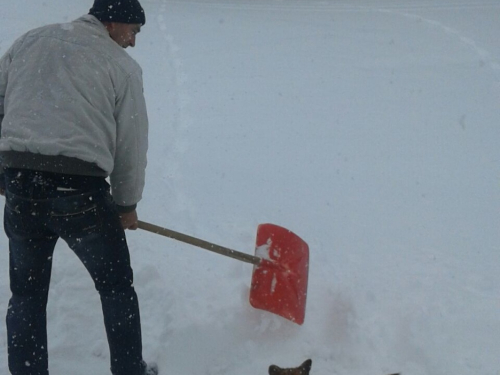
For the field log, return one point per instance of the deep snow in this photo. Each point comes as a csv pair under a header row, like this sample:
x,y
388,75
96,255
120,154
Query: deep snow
x,y
370,128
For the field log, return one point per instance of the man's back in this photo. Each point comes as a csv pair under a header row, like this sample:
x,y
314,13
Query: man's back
x,y
69,86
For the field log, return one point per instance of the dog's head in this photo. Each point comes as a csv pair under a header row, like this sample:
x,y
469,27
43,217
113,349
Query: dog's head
x,y
303,369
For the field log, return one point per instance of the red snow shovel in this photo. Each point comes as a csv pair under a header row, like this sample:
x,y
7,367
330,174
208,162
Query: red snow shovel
x,y
281,268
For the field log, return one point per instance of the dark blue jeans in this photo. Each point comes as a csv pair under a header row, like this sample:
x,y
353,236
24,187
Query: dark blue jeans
x,y
40,208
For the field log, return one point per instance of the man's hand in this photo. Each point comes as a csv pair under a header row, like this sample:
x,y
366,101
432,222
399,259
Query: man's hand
x,y
129,220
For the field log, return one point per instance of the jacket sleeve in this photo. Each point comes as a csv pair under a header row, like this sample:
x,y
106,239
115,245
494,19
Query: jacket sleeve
x,y
5,61
128,176
4,66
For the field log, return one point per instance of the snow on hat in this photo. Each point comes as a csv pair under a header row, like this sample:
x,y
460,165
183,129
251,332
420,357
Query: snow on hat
x,y
122,11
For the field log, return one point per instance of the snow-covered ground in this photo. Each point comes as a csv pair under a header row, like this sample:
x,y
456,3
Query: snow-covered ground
x,y
369,128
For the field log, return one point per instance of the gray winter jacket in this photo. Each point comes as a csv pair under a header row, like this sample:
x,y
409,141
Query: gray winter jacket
x,y
72,101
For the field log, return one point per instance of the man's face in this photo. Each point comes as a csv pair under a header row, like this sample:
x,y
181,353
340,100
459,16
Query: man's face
x,y
123,33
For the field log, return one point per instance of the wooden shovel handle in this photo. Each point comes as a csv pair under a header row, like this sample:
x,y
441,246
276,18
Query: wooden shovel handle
x,y
199,243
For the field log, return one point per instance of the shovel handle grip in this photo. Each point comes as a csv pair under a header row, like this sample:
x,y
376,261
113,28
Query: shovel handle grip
x,y
199,243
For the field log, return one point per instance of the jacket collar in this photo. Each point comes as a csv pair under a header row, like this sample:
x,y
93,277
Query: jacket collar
x,y
94,22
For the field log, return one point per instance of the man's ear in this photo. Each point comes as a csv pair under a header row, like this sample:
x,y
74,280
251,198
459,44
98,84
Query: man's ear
x,y
110,26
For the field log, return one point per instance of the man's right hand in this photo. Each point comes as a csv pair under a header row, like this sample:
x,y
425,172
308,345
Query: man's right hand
x,y
129,220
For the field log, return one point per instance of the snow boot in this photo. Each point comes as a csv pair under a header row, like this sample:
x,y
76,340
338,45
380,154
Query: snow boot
x,y
149,368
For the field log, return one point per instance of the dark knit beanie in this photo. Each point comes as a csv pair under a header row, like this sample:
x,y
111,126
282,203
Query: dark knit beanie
x,y
122,11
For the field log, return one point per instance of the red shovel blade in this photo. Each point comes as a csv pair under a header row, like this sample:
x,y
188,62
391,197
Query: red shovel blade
x,y
279,282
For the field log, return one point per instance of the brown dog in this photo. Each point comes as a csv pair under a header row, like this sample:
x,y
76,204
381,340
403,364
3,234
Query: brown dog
x,y
303,369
